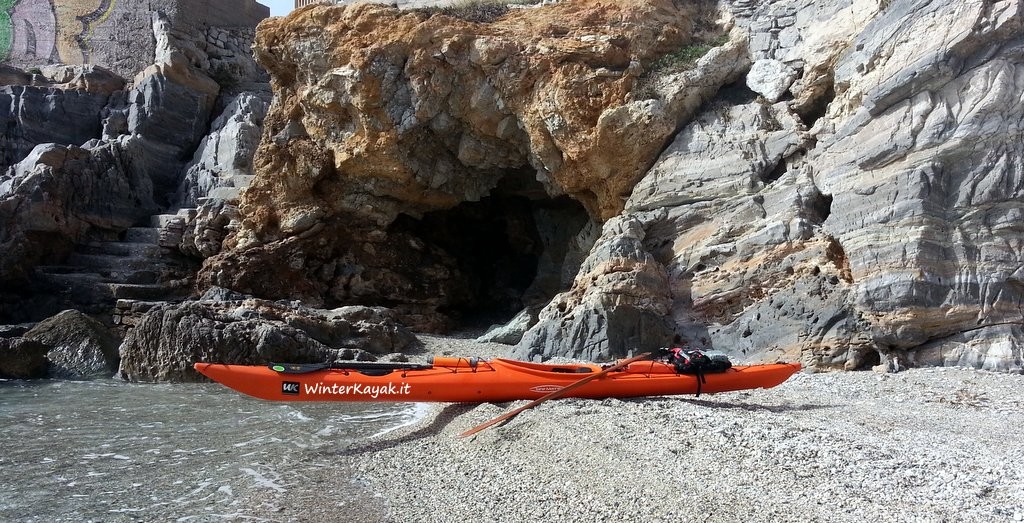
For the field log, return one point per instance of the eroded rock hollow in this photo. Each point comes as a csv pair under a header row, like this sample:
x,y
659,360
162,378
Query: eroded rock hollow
x,y
450,169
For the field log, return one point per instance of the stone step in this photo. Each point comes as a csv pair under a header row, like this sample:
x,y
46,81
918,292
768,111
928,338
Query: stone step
x,y
149,235
107,275
81,288
163,220
104,263
124,249
240,180
144,292
61,269
62,275
136,306
225,193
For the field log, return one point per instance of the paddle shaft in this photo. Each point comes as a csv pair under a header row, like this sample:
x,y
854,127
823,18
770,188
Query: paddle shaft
x,y
553,395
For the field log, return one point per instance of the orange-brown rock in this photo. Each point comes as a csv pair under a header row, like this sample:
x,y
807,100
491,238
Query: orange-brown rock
x,y
380,112
429,110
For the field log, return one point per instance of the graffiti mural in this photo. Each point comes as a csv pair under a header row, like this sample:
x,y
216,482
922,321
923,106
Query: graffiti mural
x,y
49,31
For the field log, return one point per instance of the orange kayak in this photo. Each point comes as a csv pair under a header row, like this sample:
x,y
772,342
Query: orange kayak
x,y
472,380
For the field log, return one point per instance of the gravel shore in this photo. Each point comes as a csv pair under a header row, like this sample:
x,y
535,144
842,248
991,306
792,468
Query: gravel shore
x,y
921,445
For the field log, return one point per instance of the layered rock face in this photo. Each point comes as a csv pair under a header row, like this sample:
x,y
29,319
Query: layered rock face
x,y
838,184
921,150
865,219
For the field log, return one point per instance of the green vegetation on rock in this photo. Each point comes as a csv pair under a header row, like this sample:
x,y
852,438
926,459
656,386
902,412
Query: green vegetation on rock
x,y
479,11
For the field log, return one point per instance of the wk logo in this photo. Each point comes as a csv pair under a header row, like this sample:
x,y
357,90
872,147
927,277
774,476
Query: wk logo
x,y
289,387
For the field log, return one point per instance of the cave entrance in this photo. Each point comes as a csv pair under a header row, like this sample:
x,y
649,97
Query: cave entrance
x,y
511,250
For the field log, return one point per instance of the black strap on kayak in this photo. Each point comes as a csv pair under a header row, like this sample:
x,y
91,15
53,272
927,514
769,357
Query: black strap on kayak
x,y
697,363
361,366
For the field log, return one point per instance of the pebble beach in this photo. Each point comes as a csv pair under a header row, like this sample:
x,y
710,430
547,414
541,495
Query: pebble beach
x,y
937,444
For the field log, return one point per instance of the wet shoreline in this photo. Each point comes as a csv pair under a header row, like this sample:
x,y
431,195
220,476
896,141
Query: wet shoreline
x,y
113,451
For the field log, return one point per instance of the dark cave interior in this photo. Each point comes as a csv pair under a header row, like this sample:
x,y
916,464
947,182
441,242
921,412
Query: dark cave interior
x,y
506,247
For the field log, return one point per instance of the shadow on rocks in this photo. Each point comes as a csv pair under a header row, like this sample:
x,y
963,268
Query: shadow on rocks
x,y
754,407
442,420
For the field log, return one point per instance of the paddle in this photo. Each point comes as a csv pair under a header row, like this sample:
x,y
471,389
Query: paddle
x,y
303,368
554,395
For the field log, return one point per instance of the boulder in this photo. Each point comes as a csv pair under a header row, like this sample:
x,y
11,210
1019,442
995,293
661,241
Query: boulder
x,y
89,78
512,332
770,78
22,358
79,347
168,339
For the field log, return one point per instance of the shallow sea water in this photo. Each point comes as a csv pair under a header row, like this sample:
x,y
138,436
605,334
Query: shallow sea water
x,y
112,451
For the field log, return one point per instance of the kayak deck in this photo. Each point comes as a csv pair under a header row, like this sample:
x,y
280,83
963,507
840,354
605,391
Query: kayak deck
x,y
497,380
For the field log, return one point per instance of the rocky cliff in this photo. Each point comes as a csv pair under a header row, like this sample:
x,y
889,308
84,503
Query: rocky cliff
x,y
835,182
831,181
95,157
90,154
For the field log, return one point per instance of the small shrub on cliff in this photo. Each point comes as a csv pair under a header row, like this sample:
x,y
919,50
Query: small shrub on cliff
x,y
479,11
685,57
707,34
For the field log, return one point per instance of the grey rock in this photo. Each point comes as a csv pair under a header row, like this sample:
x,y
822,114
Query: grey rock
x,y
59,196
617,305
224,156
204,234
30,116
169,339
729,151
863,252
770,78
925,190
512,332
170,108
79,346
15,331
22,358
221,294
995,348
